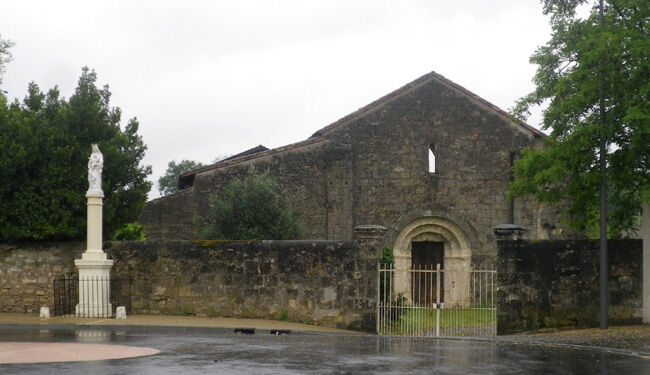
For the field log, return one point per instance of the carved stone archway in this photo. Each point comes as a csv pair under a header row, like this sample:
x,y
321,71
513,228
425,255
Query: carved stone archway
x,y
457,255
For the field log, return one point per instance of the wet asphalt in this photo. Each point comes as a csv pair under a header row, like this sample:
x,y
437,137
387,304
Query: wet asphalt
x,y
221,351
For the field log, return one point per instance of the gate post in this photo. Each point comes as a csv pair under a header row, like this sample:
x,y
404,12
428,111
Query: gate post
x,y
370,239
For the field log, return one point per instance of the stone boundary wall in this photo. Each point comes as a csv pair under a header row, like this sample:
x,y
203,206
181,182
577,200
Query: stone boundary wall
x,y
27,272
550,284
326,282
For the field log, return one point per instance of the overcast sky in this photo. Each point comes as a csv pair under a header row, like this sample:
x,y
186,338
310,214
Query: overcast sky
x,y
213,78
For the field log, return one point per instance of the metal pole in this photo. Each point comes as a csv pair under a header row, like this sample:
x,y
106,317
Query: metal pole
x,y
438,310
378,295
604,303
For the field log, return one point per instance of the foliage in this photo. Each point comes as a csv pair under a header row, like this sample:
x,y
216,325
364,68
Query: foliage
x,y
168,183
396,307
425,319
252,207
387,256
130,232
580,64
44,149
5,55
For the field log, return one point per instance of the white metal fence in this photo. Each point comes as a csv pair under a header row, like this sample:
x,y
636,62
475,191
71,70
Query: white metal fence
x,y
90,296
430,301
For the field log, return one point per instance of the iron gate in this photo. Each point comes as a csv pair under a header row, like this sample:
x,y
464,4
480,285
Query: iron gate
x,y
430,301
66,294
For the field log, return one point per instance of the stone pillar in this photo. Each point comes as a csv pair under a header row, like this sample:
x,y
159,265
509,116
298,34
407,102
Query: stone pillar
x,y
646,262
509,232
94,266
371,239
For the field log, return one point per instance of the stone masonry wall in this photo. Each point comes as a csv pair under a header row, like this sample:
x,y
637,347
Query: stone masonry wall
x,y
27,272
325,282
302,173
549,284
373,168
473,146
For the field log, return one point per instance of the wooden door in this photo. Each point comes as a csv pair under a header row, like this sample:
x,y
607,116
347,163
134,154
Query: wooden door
x,y
424,258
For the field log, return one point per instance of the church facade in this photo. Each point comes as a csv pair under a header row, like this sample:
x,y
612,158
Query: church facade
x,y
430,161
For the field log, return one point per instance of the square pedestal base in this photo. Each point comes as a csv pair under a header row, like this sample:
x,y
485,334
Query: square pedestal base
x,y
94,288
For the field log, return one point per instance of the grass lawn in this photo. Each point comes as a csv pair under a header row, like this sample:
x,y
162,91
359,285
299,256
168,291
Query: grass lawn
x,y
413,320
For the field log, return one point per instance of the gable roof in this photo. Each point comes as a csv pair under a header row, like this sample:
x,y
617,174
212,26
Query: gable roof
x,y
186,179
433,76
250,151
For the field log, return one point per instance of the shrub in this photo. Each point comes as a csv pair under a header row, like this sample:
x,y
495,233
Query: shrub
x,y
130,232
252,208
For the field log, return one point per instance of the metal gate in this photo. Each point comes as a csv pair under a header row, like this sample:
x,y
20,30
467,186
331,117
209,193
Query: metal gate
x,y
430,301
66,294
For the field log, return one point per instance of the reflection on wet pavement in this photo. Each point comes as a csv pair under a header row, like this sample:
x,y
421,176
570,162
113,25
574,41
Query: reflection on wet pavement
x,y
191,351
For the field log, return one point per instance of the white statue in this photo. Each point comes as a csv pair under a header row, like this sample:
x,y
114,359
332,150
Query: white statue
x,y
95,165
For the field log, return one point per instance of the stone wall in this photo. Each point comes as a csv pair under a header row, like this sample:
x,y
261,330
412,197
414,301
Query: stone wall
x,y
372,167
302,172
548,284
326,282
27,272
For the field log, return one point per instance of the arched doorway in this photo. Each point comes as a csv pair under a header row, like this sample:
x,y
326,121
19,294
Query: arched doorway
x,y
442,240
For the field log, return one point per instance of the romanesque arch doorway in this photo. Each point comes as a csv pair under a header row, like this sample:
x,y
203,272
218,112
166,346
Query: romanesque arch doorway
x,y
427,256
422,245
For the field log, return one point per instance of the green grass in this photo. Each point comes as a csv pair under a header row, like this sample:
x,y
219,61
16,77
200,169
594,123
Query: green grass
x,y
423,320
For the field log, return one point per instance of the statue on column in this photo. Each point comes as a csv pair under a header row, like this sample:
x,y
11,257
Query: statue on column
x,y
95,165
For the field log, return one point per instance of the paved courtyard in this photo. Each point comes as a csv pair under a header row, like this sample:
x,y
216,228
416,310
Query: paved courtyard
x,y
194,349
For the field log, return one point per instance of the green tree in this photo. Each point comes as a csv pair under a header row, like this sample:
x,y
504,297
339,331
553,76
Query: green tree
x,y
168,183
5,55
594,79
44,149
130,232
252,207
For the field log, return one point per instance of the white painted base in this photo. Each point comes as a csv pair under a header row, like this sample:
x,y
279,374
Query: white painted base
x,y
94,286
103,310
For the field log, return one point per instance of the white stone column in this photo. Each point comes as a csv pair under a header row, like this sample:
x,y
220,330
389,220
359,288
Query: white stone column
x,y
94,266
645,225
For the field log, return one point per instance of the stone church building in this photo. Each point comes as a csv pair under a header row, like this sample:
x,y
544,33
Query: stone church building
x,y
430,161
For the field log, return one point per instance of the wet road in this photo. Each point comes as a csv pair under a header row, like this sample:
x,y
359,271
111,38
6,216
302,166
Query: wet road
x,y
197,351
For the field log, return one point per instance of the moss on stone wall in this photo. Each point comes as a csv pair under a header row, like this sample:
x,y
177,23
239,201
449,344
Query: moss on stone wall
x,y
325,282
555,284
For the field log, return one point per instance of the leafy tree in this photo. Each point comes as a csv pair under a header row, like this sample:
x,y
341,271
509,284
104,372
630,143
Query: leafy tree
x,y
168,183
130,232
252,207
595,81
44,149
5,55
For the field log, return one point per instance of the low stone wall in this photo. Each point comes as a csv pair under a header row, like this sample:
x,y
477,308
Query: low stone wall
x,y
547,284
27,272
325,282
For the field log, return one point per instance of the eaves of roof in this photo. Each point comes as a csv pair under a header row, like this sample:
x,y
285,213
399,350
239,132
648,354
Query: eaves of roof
x,y
243,158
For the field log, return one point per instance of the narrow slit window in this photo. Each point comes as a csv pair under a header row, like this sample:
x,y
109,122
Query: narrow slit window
x,y
432,161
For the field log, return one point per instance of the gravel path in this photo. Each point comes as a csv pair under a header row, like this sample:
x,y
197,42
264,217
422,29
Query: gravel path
x,y
628,338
